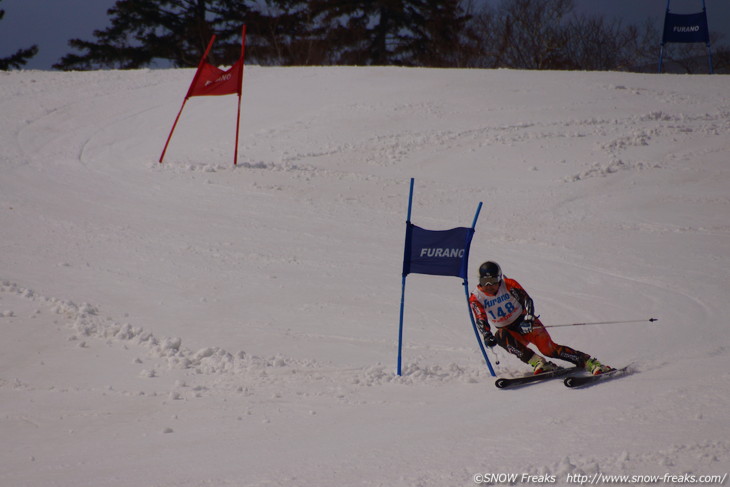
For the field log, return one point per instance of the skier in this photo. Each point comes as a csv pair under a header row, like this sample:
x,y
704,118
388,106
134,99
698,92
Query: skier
x,y
503,303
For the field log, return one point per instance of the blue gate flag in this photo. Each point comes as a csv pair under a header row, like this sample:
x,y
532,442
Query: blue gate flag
x,y
686,28
437,252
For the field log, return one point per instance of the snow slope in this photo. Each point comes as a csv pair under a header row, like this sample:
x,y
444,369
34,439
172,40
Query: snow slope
x,y
197,324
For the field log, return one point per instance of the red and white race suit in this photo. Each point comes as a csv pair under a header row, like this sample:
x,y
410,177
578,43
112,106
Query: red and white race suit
x,y
506,308
500,310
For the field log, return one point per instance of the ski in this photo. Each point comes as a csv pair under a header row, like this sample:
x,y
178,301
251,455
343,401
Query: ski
x,y
505,382
586,380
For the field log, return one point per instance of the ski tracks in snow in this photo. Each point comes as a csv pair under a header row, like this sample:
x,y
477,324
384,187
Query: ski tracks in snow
x,y
209,368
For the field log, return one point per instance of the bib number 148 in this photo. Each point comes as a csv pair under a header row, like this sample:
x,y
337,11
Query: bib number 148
x,y
509,308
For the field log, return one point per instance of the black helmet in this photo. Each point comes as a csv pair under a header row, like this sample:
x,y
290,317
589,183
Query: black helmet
x,y
489,273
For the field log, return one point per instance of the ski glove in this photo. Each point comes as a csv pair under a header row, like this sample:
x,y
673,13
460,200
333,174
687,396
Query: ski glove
x,y
489,339
525,325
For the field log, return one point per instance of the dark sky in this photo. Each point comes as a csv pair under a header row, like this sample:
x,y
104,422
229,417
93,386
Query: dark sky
x,y
51,23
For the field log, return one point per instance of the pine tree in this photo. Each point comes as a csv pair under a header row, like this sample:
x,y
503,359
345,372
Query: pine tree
x,y
21,56
390,32
280,32
442,38
142,31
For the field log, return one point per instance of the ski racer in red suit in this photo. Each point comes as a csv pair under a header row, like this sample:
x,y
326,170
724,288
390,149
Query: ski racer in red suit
x,y
503,303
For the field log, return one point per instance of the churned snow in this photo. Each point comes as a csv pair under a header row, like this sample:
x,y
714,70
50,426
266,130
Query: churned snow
x,y
193,323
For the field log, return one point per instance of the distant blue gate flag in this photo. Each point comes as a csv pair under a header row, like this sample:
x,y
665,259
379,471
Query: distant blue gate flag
x,y
438,253
686,28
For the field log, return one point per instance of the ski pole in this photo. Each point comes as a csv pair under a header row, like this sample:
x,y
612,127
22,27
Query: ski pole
x,y
650,320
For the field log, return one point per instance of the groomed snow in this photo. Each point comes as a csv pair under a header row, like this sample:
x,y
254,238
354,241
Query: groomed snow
x,y
193,323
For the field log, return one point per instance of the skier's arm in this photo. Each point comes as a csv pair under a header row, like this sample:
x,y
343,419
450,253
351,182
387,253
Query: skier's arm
x,y
528,306
480,318
480,315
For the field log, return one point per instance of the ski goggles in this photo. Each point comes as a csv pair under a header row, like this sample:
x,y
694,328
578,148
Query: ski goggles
x,y
490,280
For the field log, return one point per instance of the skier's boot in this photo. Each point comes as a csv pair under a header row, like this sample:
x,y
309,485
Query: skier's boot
x,y
594,367
540,365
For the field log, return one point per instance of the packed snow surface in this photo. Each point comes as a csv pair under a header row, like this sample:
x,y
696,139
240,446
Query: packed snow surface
x,y
196,323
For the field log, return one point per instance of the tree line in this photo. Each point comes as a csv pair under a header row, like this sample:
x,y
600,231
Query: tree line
x,y
520,34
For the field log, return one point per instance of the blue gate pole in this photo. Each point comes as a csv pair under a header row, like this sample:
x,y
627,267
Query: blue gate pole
x,y
661,50
471,315
403,287
709,47
661,57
